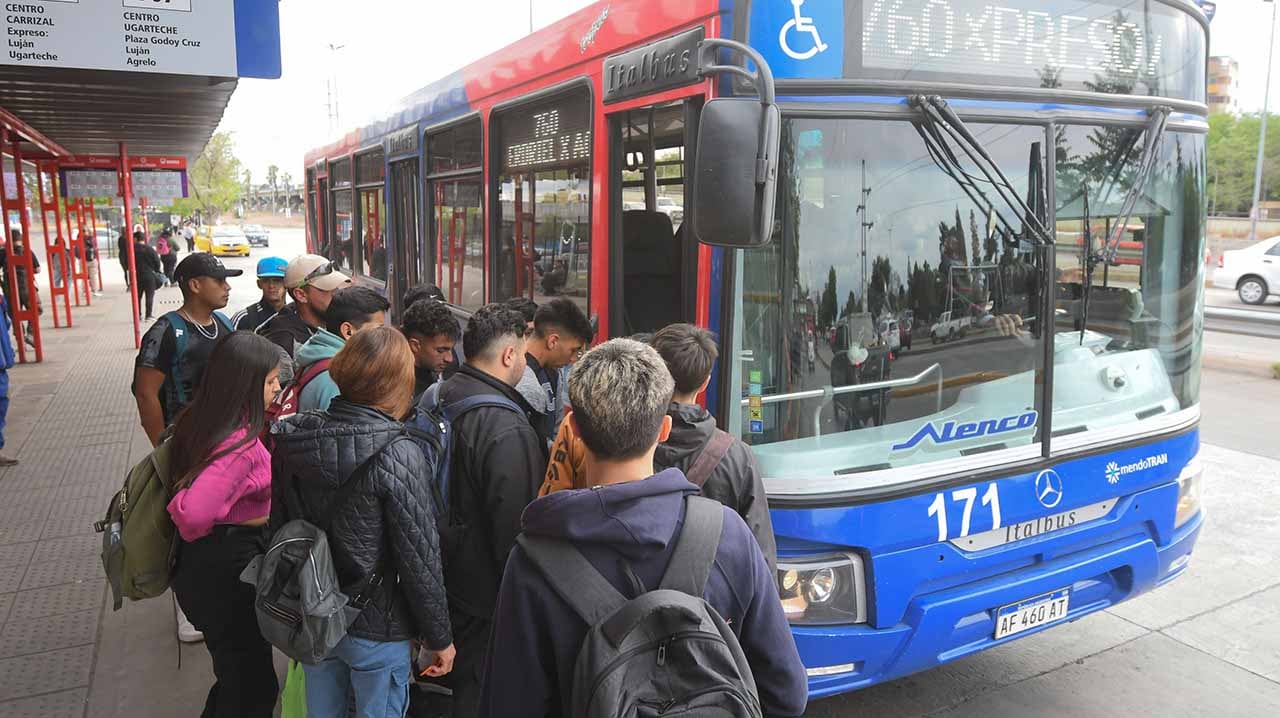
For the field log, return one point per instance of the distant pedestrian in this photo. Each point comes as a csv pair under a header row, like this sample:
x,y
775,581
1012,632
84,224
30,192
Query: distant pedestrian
x,y
221,503
168,254
433,332
17,248
271,282
310,281
189,234
90,260
122,243
384,527
150,273
6,361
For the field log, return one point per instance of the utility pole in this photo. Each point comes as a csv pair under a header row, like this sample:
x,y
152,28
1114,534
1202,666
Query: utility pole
x,y
862,209
331,89
1262,134
530,17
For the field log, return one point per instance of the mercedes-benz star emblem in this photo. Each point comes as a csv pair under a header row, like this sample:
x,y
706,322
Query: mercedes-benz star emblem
x,y
1049,488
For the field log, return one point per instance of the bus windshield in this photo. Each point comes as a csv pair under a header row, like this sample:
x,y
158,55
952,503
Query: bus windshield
x,y
893,322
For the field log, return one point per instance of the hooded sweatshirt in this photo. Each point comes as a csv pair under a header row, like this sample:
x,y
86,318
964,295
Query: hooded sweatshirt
x,y
735,482
634,524
320,390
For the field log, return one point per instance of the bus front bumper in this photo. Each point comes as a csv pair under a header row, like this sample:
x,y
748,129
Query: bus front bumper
x,y
958,622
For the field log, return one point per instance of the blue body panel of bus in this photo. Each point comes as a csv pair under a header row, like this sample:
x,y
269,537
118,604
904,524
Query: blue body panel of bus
x,y
930,602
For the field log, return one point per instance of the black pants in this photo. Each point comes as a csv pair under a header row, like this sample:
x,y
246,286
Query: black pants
x,y
169,261
147,296
471,639
207,584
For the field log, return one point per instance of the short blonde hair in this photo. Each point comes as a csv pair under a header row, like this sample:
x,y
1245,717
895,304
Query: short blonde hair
x,y
619,392
375,368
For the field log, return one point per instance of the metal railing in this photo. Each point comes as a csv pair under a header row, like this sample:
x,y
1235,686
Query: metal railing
x,y
829,393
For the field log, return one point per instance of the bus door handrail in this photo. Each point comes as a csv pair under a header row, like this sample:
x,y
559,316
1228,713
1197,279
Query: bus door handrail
x,y
827,393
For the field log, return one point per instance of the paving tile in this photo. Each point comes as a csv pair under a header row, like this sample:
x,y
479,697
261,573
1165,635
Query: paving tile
x,y
43,673
63,704
1245,633
6,601
41,635
53,573
57,600
18,554
11,578
67,547
70,526
22,531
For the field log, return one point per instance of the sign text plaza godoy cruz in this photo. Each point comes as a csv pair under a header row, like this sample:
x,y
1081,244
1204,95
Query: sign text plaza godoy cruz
x,y
216,38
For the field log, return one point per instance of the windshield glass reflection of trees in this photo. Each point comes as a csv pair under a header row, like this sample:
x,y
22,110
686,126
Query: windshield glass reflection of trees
x,y
884,269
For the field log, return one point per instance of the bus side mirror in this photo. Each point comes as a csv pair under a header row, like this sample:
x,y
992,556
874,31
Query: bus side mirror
x,y
736,173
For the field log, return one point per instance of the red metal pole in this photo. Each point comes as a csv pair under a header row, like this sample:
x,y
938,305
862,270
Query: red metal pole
x,y
146,224
126,190
25,219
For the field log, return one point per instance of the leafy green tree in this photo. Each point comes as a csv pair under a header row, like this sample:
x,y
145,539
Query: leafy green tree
x,y
214,180
828,307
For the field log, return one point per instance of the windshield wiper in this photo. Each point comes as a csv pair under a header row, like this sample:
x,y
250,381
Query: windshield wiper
x,y
1154,133
938,124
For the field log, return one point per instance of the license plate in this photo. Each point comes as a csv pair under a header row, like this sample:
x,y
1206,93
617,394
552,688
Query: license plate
x,y
1032,613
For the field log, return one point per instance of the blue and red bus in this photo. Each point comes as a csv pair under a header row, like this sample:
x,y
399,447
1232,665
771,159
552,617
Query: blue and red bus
x,y
1027,177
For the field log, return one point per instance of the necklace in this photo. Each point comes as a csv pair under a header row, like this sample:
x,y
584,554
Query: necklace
x,y
200,328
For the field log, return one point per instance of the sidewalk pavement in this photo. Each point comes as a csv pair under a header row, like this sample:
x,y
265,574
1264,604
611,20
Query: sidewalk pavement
x,y
73,426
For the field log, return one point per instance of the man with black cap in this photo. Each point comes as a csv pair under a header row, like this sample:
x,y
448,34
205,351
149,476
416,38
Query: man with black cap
x,y
176,348
310,281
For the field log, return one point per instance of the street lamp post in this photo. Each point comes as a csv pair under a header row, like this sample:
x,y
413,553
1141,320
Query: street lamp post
x,y
1262,134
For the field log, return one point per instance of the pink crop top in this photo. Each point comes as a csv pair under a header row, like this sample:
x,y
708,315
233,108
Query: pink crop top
x,y
233,489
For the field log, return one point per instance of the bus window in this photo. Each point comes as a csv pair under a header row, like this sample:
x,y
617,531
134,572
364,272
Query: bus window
x,y
651,292
542,246
457,212
371,237
341,229
404,212
309,191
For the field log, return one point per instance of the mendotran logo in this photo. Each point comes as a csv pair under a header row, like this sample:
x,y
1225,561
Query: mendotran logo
x,y
952,431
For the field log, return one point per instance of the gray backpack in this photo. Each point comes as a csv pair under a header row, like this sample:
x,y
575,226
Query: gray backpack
x,y
300,606
663,652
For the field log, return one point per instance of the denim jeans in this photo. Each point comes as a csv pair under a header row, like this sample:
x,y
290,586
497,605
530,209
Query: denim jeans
x,y
377,671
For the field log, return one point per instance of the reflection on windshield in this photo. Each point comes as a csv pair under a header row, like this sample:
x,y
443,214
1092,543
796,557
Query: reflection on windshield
x,y
891,323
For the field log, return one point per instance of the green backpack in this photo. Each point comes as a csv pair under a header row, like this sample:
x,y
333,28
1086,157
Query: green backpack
x,y
139,539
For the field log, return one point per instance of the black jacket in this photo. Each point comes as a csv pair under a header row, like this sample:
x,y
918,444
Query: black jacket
x,y
736,480
145,258
389,519
287,330
498,464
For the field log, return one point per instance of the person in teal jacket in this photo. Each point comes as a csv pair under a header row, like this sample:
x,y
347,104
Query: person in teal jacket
x,y
352,309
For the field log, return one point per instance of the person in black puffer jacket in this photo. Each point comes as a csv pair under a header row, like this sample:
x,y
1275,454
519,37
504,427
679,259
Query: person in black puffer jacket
x,y
386,527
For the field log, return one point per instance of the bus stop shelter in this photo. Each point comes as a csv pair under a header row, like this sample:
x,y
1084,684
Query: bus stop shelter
x,y
110,88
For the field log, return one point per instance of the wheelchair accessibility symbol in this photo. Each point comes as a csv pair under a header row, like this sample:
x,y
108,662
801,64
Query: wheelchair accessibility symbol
x,y
799,24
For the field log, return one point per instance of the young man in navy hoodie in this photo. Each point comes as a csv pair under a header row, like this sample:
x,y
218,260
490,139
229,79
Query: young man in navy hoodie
x,y
626,525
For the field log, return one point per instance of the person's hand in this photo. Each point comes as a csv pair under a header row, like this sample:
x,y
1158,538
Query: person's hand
x,y
1009,325
438,663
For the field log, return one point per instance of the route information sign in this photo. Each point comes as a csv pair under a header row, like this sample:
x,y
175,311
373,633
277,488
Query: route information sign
x,y
185,37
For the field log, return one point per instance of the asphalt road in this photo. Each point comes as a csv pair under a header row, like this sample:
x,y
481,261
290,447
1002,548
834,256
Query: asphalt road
x,y
1207,644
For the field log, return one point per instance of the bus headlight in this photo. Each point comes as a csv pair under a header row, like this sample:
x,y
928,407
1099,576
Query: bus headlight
x,y
823,590
1189,490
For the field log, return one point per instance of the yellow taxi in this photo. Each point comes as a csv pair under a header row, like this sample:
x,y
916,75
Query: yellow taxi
x,y
229,241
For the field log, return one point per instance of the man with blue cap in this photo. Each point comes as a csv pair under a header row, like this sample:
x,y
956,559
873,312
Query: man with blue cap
x,y
271,282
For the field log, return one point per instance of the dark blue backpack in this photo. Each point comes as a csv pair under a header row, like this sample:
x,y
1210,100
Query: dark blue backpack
x,y
431,427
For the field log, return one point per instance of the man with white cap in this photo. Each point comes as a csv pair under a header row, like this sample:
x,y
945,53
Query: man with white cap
x,y
310,280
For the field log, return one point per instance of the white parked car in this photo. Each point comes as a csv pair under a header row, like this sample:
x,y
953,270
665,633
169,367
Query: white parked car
x,y
668,206
1254,272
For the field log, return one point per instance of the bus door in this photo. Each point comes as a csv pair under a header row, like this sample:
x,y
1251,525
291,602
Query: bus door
x,y
406,225
653,260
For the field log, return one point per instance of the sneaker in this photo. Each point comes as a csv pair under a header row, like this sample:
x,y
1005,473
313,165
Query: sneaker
x,y
29,340
6,460
187,633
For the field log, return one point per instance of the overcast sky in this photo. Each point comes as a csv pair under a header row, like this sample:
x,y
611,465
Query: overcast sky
x,y
392,47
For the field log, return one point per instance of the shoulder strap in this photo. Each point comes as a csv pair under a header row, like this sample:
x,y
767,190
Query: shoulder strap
x,y
348,487
713,452
455,410
180,331
226,323
312,371
573,577
696,548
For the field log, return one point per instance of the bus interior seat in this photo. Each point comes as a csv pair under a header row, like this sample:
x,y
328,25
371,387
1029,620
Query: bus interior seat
x,y
650,271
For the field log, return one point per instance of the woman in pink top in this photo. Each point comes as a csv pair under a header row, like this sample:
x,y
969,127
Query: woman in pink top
x,y
221,501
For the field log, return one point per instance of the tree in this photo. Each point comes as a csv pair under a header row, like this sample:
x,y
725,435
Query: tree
x,y
214,180
273,179
827,308
1233,154
879,291
286,180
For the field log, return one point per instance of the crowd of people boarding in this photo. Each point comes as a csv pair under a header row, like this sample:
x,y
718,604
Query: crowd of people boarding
x,y
559,489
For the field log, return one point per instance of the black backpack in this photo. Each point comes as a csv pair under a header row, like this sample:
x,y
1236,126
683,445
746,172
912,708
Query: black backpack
x,y
663,652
